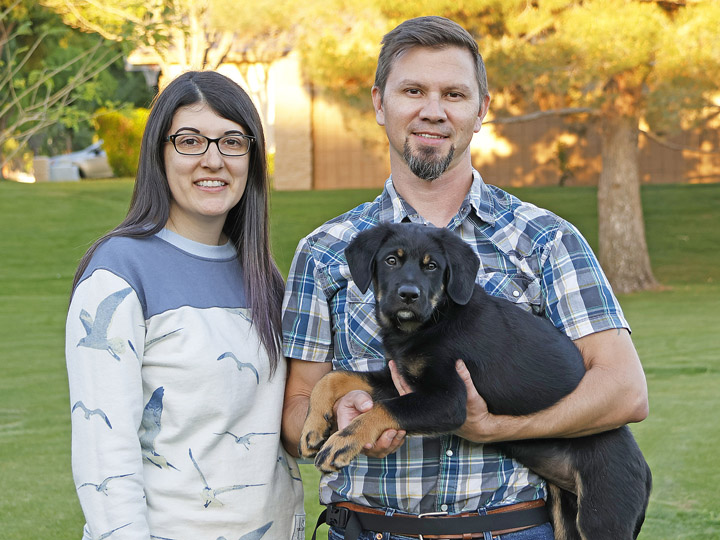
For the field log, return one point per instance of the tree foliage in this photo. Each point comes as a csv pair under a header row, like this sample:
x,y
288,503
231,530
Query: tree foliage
x,y
45,70
177,35
628,57
181,35
122,132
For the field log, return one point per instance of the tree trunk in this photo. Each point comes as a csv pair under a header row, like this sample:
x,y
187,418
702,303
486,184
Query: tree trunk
x,y
623,249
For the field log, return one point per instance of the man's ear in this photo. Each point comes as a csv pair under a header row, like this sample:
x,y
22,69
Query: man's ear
x,y
484,107
462,268
360,255
377,100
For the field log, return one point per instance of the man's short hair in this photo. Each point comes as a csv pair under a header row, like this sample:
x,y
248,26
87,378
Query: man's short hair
x,y
433,32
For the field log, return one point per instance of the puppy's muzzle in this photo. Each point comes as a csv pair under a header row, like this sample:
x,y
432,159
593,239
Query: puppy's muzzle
x,y
408,294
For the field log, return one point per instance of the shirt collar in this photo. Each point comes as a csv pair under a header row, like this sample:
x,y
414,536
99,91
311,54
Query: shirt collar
x,y
393,208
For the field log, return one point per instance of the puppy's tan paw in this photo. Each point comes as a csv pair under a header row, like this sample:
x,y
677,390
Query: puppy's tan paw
x,y
339,450
315,432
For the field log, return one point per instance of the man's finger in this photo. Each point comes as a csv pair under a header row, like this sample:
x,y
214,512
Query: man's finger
x,y
351,405
400,384
387,443
465,376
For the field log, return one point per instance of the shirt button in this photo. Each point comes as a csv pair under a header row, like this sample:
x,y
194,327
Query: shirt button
x,y
444,507
449,453
516,294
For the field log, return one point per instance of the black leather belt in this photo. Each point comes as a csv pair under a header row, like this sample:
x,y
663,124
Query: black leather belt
x,y
355,518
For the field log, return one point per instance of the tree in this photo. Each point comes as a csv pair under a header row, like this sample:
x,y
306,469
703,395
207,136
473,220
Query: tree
x,y
616,62
179,35
38,81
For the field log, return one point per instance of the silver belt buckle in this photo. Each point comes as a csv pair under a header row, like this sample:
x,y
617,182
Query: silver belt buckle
x,y
430,514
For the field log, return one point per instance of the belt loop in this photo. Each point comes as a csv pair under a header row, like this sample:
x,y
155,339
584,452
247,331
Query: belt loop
x,y
487,535
388,512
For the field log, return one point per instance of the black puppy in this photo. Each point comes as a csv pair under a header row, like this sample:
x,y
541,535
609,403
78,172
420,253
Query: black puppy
x,y
431,313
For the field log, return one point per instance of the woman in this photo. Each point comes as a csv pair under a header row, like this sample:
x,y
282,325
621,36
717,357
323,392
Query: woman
x,y
173,348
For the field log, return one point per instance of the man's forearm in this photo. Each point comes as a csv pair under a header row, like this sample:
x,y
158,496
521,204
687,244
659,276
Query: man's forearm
x,y
612,393
294,412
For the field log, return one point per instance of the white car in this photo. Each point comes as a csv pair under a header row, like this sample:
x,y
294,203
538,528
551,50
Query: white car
x,y
90,162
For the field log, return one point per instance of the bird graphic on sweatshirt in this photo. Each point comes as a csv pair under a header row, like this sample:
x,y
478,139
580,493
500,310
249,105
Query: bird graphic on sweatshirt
x,y
293,474
243,313
245,439
153,341
102,486
90,412
210,494
97,328
151,418
257,534
240,365
107,534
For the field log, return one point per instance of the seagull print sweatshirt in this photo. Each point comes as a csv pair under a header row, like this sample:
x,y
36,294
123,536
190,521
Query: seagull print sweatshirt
x,y
175,417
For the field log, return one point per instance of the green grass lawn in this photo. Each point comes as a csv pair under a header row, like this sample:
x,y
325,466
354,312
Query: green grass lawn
x,y
47,227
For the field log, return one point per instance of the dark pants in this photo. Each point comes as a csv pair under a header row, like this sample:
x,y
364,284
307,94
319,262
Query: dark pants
x,y
541,532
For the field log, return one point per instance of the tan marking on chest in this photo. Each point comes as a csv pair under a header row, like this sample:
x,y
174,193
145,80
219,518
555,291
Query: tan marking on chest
x,y
416,366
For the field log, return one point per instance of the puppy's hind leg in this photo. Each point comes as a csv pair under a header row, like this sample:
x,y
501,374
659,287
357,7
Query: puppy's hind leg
x,y
563,511
603,515
319,422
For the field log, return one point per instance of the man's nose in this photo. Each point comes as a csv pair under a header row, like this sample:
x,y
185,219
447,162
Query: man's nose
x,y
433,109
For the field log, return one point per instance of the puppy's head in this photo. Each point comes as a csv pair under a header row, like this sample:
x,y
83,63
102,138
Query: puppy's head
x,y
413,269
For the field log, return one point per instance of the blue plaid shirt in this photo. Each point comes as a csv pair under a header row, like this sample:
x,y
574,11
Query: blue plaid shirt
x,y
527,255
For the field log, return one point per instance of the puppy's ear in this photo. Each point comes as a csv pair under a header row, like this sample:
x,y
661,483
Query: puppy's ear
x,y
360,254
462,268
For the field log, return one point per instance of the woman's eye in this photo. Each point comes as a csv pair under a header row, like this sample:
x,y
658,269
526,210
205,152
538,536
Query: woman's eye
x,y
187,141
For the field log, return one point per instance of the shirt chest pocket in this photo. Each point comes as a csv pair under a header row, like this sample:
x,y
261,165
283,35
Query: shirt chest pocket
x,y
361,330
519,289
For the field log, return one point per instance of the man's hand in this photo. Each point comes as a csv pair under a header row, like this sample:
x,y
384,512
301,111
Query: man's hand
x,y
479,421
353,404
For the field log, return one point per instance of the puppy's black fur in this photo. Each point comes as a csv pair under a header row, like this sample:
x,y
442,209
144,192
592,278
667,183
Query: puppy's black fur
x,y
431,313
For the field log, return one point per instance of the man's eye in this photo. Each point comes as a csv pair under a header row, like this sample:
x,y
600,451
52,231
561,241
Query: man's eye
x,y
391,261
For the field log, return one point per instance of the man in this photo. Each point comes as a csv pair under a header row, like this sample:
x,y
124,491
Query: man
x,y
431,96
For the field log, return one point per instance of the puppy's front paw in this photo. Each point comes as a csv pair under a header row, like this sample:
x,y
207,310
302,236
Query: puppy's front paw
x,y
339,450
315,432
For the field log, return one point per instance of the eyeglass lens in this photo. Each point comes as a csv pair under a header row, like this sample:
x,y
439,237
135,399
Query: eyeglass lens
x,y
231,145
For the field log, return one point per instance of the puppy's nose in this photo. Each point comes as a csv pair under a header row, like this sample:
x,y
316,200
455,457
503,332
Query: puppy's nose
x,y
409,293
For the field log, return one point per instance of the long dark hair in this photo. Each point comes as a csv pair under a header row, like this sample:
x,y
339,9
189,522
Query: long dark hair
x,y
247,223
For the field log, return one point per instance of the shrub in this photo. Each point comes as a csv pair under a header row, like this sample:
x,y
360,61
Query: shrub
x,y
122,132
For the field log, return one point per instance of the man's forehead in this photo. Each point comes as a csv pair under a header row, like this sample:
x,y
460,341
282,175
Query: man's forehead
x,y
447,66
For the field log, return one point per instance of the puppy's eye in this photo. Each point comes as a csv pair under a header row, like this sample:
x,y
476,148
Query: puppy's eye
x,y
391,261
431,266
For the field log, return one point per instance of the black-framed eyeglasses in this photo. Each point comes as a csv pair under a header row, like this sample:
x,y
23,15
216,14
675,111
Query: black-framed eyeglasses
x,y
193,144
